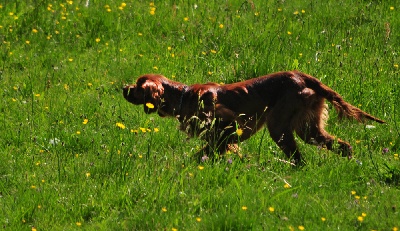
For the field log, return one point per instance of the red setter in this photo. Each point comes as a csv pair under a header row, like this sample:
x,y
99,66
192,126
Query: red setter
x,y
224,115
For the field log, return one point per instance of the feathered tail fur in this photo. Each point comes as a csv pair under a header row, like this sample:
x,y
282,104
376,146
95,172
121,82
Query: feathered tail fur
x,y
343,108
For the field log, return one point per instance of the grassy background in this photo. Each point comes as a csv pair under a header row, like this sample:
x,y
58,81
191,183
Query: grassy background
x,y
75,155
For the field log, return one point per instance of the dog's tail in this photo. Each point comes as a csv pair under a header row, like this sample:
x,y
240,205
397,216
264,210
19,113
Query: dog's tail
x,y
343,108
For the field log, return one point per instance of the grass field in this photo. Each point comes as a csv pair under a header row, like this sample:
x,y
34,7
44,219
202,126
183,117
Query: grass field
x,y
75,155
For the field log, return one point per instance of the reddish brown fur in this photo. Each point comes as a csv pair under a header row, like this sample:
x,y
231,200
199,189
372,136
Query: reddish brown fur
x,y
284,101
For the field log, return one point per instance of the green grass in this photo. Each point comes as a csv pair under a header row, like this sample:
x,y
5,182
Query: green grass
x,y
63,62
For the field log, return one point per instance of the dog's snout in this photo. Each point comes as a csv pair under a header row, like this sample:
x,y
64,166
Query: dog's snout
x,y
127,89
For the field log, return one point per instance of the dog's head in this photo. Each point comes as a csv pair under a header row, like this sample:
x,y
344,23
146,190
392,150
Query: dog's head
x,y
148,91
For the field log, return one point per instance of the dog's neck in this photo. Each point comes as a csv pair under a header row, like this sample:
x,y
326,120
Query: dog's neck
x,y
173,97
178,111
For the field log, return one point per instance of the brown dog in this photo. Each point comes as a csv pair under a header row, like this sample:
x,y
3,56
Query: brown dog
x,y
224,115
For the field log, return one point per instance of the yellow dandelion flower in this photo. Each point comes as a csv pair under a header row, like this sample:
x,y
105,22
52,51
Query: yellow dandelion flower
x,y
395,229
34,30
279,9
303,11
198,219
97,40
174,229
286,185
78,132
256,13
396,65
291,228
200,167
244,207
323,219
78,223
33,187
164,209
357,197
134,131
150,105
186,19
213,51
85,121
392,8
289,33
296,12
123,4
156,130
239,131
210,73
120,125
363,214
360,218
353,192
151,4
221,26
140,34
87,174
155,68
33,228
27,42
37,95
70,59
90,84
271,209
140,156
152,12
143,130
301,227
396,156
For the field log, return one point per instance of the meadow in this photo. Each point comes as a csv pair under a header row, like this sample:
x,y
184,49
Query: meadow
x,y
74,155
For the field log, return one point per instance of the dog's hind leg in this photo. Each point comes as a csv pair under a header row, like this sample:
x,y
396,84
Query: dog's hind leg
x,y
281,132
310,128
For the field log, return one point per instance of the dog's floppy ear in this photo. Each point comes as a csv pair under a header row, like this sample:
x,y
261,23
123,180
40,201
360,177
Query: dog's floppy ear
x,y
153,92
